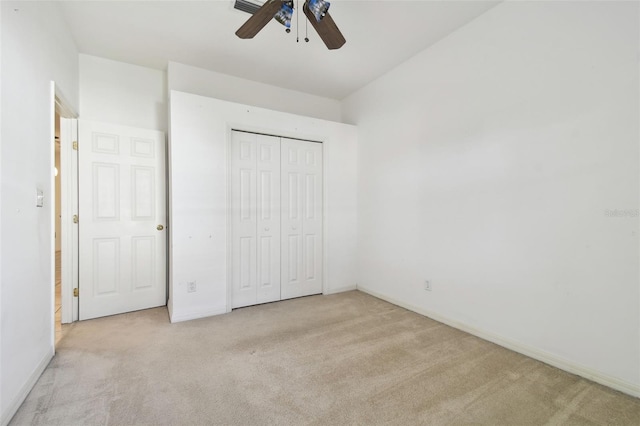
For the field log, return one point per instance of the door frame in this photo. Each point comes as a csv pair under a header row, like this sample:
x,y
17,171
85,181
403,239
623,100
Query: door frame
x,y
69,208
68,199
280,133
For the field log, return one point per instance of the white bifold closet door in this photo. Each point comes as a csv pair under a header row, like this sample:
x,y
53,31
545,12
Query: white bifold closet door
x,y
255,207
301,214
276,209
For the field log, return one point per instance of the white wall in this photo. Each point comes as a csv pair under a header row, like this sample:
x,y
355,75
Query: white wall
x,y
489,164
36,48
203,82
120,93
200,128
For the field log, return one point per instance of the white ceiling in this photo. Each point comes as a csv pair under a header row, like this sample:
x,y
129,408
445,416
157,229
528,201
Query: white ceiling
x,y
379,34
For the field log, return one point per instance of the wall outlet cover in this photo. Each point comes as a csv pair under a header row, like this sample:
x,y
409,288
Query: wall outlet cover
x,y
39,198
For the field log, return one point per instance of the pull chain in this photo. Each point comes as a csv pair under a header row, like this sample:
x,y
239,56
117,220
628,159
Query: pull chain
x,y
306,30
297,20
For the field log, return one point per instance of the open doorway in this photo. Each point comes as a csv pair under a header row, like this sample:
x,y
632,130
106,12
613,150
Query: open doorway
x,y
64,190
58,330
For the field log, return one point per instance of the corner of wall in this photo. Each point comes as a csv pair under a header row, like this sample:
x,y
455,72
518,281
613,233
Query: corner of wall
x,y
12,407
37,48
532,352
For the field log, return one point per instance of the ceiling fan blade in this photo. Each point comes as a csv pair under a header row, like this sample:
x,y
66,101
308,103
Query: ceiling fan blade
x,y
259,19
326,29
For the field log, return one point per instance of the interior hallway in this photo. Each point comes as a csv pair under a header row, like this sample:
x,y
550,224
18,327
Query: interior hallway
x,y
347,358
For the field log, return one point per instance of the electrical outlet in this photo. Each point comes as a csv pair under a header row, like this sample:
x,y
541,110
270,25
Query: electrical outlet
x,y
191,287
427,285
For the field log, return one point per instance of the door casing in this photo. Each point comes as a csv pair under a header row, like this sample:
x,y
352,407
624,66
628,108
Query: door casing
x,y
69,207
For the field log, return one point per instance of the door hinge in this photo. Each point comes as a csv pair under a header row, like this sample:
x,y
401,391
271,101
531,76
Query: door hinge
x,y
75,145
75,218
76,292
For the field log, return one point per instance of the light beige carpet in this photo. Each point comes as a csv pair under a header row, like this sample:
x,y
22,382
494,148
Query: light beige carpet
x,y
324,360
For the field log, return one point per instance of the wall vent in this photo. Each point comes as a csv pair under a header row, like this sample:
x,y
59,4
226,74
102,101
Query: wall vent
x,y
246,6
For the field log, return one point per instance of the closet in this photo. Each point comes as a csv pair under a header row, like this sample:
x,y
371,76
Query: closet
x,y
276,225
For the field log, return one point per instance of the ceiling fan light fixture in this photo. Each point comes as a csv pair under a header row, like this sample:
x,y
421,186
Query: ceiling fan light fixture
x,y
285,14
318,8
316,12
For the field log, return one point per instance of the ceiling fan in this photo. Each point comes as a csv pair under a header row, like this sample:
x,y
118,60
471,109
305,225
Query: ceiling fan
x,y
316,11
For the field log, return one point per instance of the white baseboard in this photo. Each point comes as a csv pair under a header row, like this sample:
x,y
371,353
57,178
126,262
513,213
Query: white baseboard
x,y
191,315
15,404
532,352
340,289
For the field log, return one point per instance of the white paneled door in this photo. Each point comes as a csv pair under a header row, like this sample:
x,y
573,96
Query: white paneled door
x,y
276,218
255,204
301,214
122,219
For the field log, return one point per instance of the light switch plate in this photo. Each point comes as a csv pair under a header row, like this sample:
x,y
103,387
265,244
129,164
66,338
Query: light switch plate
x,y
39,198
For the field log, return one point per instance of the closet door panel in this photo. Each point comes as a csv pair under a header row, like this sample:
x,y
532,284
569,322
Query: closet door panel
x,y
268,218
291,213
312,217
301,218
243,219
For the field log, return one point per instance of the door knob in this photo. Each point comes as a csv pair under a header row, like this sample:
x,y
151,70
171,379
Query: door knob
x,y
159,227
